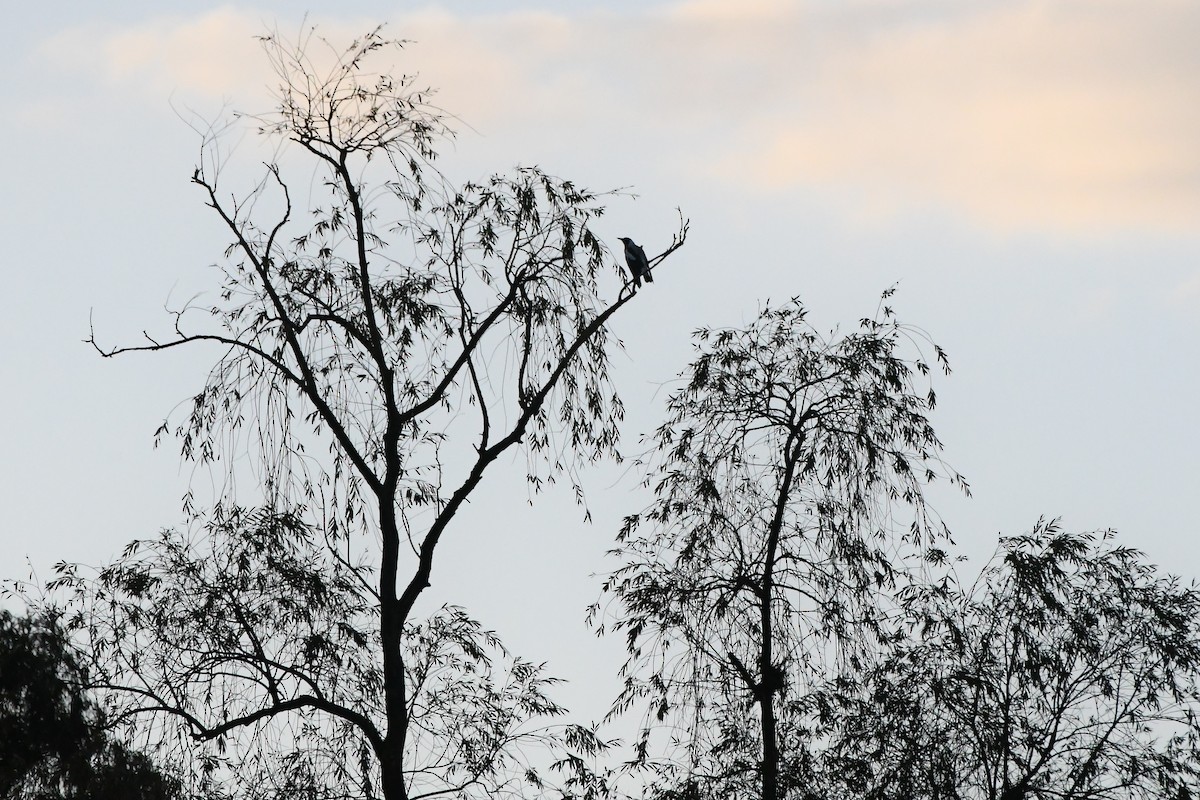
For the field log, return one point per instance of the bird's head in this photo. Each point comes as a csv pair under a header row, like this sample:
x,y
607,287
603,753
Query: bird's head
x,y
625,239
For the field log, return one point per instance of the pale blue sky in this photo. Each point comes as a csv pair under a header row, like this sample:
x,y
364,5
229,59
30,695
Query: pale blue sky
x,y
1027,170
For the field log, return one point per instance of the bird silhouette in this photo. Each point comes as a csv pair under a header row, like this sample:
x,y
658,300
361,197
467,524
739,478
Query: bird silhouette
x,y
635,259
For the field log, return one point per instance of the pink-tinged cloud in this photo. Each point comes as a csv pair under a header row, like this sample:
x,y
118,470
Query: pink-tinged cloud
x,y
1076,115
480,64
213,54
1029,115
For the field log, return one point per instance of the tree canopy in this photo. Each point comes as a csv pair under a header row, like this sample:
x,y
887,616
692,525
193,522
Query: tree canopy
x,y
1069,669
383,338
56,746
764,566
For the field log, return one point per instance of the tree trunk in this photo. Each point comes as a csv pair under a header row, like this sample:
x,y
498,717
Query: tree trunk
x,y
392,766
391,622
768,673
770,760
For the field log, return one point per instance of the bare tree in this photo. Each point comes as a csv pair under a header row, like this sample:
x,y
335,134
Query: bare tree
x,y
385,339
762,573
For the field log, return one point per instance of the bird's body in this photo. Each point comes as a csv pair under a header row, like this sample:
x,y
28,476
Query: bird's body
x,y
635,259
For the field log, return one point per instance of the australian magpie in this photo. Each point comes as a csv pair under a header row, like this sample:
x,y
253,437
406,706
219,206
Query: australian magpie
x,y
635,258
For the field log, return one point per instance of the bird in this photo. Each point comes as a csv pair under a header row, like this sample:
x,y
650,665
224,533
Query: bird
x,y
639,265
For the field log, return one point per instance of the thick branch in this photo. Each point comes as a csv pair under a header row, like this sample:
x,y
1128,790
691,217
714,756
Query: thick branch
x,y
303,701
486,456
436,395
308,383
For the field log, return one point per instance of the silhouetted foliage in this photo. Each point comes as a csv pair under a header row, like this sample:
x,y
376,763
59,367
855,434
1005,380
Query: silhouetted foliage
x,y
762,573
53,742
255,605
1069,670
385,339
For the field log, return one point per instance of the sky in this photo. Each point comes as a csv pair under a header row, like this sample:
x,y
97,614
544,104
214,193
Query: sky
x,y
1026,171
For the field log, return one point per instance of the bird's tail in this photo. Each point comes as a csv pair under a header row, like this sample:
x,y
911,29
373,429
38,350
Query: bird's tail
x,y
649,278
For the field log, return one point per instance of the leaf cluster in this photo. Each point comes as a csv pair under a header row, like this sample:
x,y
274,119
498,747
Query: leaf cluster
x,y
1070,669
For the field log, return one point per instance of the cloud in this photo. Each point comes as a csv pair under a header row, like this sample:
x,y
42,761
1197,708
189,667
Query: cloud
x,y
1028,115
479,64
1024,114
211,54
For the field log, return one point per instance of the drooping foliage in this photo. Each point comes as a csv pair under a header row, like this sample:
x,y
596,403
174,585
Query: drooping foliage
x,y
764,569
256,605
383,336
1070,669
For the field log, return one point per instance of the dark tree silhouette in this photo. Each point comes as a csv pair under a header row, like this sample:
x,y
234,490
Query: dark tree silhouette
x,y
385,339
54,742
1070,670
763,570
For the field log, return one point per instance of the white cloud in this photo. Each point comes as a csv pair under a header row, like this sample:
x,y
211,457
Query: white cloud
x,y
1026,114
